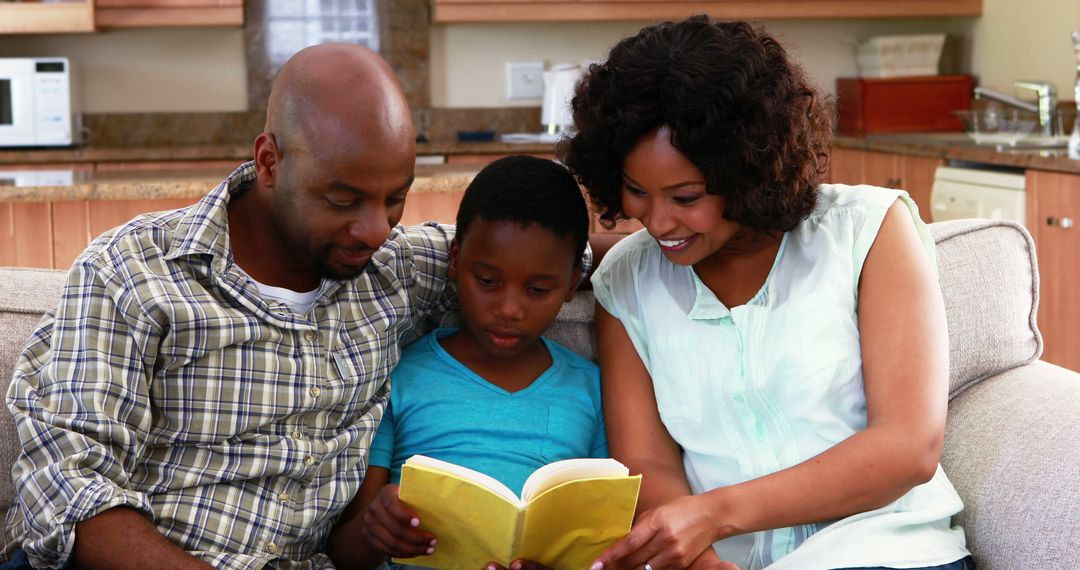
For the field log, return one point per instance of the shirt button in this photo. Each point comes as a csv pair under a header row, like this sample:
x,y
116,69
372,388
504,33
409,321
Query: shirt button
x,y
311,336
271,547
314,391
297,435
283,497
309,460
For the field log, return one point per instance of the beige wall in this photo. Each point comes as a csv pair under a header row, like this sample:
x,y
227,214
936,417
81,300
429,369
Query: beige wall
x,y
1012,40
1024,40
146,71
192,70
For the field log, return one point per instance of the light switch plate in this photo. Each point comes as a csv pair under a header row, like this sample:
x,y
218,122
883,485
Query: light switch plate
x,y
524,79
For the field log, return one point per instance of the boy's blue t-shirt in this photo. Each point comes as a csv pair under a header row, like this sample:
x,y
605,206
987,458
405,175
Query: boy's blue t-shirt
x,y
440,408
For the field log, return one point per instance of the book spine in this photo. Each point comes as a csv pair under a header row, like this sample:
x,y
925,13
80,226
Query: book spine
x,y
519,530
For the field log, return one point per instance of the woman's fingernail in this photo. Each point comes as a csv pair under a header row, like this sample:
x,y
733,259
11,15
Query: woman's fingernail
x,y
415,522
434,541
431,550
597,566
490,567
515,566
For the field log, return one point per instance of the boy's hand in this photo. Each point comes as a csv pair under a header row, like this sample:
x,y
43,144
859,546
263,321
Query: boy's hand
x,y
519,564
393,528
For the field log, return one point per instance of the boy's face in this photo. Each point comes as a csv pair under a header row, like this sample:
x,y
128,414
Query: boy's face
x,y
512,280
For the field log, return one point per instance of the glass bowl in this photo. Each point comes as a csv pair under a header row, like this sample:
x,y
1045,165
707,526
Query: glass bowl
x,y
1000,127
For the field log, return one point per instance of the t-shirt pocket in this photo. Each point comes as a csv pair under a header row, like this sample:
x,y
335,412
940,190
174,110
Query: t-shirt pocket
x,y
675,369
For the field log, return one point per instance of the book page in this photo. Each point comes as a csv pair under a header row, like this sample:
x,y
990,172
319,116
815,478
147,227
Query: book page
x,y
481,479
473,525
559,472
568,526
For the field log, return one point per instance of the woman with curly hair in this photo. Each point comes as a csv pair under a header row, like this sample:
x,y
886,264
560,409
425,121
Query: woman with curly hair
x,y
773,350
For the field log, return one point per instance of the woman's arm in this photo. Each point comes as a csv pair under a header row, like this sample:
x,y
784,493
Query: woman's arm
x,y
636,436
904,345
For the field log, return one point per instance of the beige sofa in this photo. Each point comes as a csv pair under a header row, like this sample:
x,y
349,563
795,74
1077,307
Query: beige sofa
x,y
1012,444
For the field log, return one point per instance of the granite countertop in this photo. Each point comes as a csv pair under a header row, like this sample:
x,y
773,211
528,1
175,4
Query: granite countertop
x,y
101,184
67,185
238,153
957,146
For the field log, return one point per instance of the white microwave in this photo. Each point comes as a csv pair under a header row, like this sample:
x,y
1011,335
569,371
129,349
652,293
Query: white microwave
x,y
35,101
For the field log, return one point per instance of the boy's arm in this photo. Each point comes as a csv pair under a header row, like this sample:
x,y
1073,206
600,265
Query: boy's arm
x,y
377,523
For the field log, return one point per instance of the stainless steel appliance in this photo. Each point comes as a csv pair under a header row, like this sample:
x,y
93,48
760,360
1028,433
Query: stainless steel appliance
x,y
35,102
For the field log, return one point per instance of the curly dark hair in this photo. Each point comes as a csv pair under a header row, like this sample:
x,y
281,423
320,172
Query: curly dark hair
x,y
738,108
527,190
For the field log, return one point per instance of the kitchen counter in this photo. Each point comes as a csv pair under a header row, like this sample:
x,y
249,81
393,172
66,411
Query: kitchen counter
x,y
239,153
187,183
957,146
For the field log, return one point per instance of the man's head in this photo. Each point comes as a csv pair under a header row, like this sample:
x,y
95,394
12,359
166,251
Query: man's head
x,y
336,157
521,230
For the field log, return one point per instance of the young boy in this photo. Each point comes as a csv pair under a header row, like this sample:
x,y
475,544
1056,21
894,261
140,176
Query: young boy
x,y
493,395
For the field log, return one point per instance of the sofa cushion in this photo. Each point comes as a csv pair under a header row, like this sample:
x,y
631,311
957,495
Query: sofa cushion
x,y
990,281
1011,449
24,295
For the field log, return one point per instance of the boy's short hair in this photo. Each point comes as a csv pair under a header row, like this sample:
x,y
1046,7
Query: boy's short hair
x,y
527,190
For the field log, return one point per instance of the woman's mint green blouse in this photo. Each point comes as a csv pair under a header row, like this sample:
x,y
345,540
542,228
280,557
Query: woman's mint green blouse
x,y
750,390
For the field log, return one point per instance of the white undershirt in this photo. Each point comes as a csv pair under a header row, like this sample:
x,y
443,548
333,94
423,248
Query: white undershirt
x,y
299,302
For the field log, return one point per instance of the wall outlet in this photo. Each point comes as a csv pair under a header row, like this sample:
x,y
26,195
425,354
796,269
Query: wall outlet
x,y
524,79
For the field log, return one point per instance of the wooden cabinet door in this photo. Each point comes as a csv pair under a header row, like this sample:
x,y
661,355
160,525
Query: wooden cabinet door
x,y
845,166
26,234
46,17
1053,203
168,13
657,10
915,174
917,177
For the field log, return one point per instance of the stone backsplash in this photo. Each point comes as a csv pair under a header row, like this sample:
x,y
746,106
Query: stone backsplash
x,y
170,129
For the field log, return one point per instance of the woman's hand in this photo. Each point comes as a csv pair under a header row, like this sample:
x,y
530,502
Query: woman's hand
x,y
676,535
390,526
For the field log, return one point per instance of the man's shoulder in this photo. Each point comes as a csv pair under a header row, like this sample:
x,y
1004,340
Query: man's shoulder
x,y
140,240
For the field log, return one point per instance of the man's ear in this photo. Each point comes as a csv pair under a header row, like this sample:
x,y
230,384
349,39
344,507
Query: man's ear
x,y
455,250
266,158
575,282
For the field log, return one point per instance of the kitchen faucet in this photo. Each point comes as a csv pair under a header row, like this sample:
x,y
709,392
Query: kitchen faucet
x,y
1046,106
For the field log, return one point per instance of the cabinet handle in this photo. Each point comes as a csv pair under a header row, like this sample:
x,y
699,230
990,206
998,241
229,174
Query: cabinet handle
x,y
1063,223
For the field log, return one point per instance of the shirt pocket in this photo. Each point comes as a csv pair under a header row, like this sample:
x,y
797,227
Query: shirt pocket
x,y
570,434
676,370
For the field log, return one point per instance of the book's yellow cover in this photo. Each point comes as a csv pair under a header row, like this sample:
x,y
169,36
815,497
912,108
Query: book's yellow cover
x,y
564,527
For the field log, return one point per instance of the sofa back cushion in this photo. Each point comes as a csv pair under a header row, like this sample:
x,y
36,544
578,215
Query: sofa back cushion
x,y
25,294
990,280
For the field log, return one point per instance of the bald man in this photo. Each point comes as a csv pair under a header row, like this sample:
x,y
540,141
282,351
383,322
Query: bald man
x,y
208,387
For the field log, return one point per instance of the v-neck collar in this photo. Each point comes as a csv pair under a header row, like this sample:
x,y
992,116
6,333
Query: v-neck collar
x,y
541,379
708,306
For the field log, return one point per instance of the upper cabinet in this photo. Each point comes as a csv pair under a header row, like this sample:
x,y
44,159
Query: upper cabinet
x,y
46,17
168,13
596,10
90,15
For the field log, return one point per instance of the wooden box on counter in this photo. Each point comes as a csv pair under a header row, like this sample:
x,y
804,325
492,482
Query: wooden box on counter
x,y
901,104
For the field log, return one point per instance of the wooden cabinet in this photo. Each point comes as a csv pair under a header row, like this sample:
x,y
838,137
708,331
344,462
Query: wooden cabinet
x,y
653,10
1053,209
912,173
89,15
46,17
168,13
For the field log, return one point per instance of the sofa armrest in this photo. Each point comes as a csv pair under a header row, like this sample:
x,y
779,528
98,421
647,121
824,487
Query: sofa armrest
x,y
1012,450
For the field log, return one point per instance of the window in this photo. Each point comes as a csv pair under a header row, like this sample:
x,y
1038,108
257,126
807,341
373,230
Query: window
x,y
291,25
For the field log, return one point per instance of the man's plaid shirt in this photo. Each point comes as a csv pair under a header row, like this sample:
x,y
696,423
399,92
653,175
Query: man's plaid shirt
x,y
164,382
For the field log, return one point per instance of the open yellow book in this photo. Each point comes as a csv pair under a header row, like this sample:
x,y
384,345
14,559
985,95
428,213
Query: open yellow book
x,y
569,512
